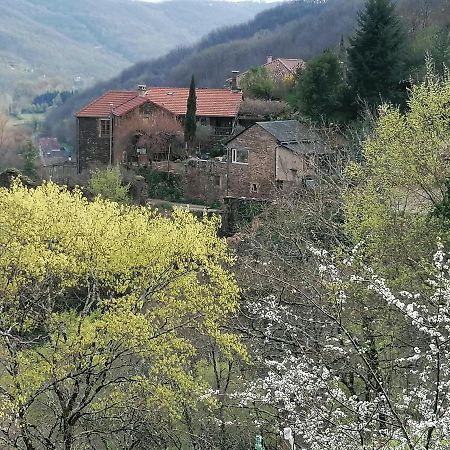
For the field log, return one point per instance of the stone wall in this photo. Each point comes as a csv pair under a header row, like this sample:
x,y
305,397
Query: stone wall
x,y
213,180
205,180
92,149
257,178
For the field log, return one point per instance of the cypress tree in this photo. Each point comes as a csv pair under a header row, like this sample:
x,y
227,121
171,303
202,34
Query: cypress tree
x,y
376,69
190,121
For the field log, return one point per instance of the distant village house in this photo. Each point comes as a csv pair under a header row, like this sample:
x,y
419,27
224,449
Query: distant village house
x,y
279,69
99,121
56,160
261,160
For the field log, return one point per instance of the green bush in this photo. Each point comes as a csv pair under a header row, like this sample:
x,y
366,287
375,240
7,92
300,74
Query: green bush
x,y
107,183
163,185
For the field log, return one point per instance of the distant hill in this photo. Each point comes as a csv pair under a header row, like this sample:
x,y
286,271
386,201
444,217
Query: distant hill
x,y
89,40
298,29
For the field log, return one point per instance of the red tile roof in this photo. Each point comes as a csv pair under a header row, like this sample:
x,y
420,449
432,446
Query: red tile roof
x,y
210,102
101,106
129,105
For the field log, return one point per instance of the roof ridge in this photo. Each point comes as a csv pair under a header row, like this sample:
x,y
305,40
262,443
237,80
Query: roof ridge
x,y
124,104
284,64
112,91
92,102
149,88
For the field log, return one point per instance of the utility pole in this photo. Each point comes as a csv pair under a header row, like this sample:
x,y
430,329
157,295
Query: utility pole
x,y
111,105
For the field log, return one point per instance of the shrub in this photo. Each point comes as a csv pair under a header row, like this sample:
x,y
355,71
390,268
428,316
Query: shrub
x,y
107,183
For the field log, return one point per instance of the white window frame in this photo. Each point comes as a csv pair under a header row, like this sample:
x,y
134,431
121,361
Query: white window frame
x,y
100,134
234,155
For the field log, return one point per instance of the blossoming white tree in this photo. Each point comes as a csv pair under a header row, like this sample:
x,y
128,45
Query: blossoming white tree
x,y
332,390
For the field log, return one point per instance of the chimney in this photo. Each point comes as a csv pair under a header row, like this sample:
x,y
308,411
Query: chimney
x,y
234,86
269,59
142,89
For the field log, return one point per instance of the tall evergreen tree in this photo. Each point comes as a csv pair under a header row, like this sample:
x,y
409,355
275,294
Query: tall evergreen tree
x,y
320,89
376,69
190,121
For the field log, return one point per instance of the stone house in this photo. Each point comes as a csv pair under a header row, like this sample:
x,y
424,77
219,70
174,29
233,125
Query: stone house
x,y
279,69
98,122
261,160
48,146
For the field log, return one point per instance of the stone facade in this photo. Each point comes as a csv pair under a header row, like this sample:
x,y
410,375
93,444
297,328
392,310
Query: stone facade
x,y
93,148
256,178
213,180
261,161
205,180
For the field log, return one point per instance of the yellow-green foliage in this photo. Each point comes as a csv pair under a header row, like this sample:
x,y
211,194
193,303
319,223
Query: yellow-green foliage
x,y
404,173
92,287
107,183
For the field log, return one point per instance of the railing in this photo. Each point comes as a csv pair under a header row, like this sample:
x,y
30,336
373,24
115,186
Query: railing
x,y
223,131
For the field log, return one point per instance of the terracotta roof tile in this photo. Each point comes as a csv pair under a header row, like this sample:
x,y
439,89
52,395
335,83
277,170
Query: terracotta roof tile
x,y
290,64
101,106
129,105
210,102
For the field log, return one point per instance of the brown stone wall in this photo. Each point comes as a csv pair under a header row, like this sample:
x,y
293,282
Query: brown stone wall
x,y
205,180
92,149
259,171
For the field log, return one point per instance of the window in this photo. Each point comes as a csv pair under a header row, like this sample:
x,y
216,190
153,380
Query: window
x,y
239,155
309,182
279,184
217,180
253,188
105,127
203,121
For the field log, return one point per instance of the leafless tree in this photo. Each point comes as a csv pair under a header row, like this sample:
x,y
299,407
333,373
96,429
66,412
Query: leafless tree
x,y
159,133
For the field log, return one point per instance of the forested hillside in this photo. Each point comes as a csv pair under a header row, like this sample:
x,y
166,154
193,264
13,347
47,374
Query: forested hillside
x,y
95,39
296,29
299,29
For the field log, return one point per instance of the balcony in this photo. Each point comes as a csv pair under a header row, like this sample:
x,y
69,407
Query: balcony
x,y
223,131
